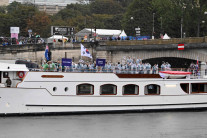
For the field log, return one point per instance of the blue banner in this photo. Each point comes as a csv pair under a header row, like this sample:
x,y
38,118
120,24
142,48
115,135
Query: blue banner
x,y
100,62
66,62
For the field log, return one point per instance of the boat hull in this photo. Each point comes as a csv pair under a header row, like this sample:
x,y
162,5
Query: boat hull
x,y
25,101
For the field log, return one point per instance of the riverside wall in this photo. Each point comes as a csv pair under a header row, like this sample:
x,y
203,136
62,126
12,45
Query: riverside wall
x,y
112,51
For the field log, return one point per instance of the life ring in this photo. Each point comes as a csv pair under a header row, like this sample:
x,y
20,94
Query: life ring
x,y
21,74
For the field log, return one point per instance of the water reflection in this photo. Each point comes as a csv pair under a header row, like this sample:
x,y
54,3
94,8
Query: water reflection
x,y
143,125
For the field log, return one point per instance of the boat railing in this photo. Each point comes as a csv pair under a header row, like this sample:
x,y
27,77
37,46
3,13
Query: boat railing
x,y
120,71
194,73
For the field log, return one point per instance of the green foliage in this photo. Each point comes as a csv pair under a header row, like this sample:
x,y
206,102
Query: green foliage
x,y
40,24
6,22
112,14
139,13
3,9
106,7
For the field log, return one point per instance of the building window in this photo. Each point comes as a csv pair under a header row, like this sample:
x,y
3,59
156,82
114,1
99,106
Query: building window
x,y
85,89
108,89
199,87
185,87
152,89
130,89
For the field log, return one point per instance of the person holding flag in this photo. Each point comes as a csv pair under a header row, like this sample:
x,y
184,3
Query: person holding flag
x,y
47,53
197,67
85,52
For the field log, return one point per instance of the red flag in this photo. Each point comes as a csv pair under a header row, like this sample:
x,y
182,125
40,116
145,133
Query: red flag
x,y
180,46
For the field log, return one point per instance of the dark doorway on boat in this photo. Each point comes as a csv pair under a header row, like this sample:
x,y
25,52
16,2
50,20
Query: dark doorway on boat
x,y
173,61
185,87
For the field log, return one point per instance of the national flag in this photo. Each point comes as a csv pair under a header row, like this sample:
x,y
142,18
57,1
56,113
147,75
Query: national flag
x,y
180,46
47,53
197,65
85,52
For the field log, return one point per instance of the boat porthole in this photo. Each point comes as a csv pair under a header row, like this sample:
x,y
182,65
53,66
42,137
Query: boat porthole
x,y
54,89
66,89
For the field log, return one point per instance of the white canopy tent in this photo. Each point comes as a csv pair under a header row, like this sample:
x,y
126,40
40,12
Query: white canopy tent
x,y
99,33
58,37
123,34
166,36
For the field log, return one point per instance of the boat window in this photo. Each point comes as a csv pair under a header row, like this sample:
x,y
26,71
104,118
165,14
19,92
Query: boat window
x,y
130,89
5,74
198,87
54,89
185,87
108,89
66,89
152,89
85,89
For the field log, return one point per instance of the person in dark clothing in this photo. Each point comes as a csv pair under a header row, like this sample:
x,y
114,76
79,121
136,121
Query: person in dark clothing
x,y
8,82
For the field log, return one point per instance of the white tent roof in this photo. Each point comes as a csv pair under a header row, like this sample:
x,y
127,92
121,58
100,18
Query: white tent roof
x,y
166,36
122,34
58,37
105,31
12,67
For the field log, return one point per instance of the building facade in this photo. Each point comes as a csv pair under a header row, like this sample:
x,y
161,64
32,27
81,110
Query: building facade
x,y
4,2
51,6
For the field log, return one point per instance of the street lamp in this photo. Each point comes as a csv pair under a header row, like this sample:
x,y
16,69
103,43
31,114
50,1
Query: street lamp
x,y
181,25
161,24
153,28
131,20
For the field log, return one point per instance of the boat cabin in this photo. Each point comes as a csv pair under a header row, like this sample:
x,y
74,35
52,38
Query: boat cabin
x,y
14,71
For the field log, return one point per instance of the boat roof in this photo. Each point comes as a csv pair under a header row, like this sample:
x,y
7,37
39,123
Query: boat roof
x,y
13,67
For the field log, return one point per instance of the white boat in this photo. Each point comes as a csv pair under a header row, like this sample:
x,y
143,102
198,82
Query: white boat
x,y
60,93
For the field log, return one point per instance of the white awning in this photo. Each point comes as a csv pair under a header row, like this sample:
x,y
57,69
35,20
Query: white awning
x,y
107,32
58,37
13,67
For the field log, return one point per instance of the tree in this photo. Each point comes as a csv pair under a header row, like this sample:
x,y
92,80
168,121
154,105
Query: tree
x,y
106,7
168,13
139,13
3,9
21,14
40,24
6,22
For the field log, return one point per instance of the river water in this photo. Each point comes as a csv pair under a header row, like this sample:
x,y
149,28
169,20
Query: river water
x,y
129,125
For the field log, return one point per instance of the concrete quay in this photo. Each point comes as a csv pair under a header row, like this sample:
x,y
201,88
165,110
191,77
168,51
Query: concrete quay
x,y
111,50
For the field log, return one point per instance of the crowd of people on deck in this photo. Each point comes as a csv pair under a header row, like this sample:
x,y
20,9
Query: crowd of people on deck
x,y
127,65
194,68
